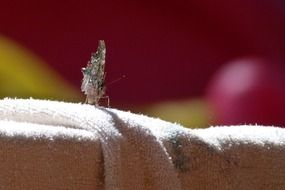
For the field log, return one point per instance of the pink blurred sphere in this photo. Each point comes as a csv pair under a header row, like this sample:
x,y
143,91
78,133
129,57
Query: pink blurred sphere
x,y
248,91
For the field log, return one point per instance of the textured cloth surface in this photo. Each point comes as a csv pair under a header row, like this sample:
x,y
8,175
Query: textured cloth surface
x,y
58,145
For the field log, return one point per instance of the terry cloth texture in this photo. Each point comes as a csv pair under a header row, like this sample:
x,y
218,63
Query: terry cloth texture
x,y
57,145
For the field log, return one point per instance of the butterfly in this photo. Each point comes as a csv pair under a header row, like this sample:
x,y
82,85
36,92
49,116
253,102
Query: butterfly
x,y
93,83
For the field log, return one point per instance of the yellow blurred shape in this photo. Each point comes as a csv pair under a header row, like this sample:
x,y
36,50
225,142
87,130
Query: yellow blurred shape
x,y
189,113
23,74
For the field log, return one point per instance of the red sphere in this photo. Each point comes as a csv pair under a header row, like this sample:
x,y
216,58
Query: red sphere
x,y
248,91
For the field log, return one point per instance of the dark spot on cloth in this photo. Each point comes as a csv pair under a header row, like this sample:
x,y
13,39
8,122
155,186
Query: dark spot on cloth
x,y
180,161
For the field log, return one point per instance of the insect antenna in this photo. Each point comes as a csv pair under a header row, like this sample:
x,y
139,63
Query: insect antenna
x,y
116,80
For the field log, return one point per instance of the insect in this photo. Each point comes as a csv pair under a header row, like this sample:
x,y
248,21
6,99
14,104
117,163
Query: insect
x,y
93,83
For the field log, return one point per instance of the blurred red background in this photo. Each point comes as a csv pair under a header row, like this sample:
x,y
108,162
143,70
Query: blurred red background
x,y
168,50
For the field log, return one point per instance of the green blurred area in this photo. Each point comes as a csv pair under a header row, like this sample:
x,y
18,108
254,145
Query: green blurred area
x,y
24,75
191,113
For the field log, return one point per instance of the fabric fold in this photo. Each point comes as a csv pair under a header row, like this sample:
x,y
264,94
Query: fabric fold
x,y
58,145
133,156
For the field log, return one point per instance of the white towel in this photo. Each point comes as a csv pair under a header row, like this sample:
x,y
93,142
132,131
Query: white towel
x,y
57,145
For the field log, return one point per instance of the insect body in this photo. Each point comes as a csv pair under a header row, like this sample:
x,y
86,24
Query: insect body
x,y
93,83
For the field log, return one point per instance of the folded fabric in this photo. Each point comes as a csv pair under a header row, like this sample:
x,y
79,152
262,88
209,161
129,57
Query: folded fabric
x,y
58,145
